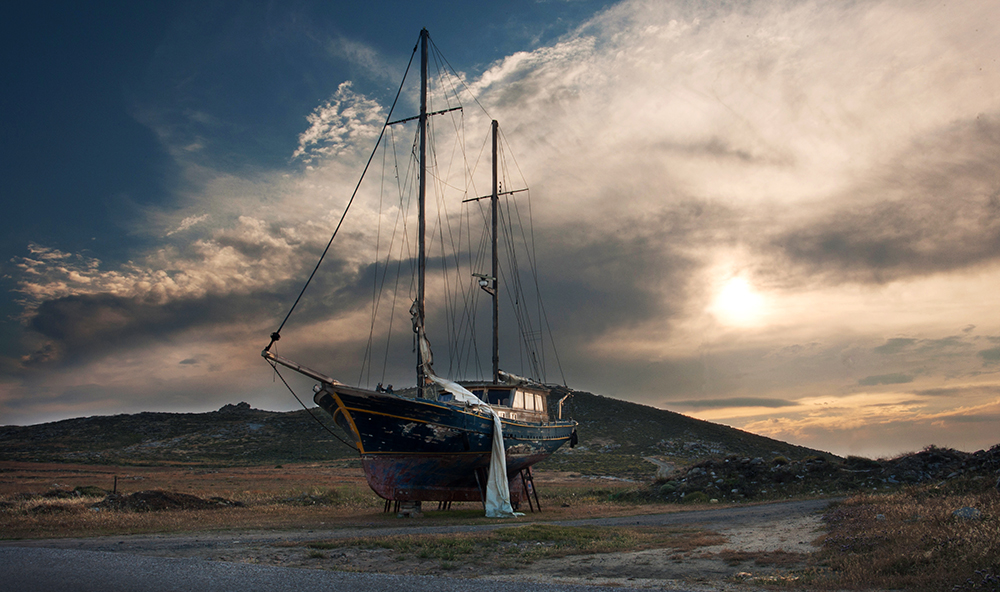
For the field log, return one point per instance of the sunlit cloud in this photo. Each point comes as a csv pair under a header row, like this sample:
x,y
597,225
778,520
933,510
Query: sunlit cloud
x,y
188,222
859,423
343,122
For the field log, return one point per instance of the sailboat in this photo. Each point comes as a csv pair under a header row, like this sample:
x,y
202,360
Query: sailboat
x,y
445,440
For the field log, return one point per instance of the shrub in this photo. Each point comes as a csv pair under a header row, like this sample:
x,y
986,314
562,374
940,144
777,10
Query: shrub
x,y
697,497
860,463
90,491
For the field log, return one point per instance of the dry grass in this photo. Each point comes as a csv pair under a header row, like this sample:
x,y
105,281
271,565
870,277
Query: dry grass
x,y
301,496
779,558
911,540
511,547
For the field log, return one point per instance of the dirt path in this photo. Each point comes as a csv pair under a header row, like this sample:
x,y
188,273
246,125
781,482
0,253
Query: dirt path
x,y
762,542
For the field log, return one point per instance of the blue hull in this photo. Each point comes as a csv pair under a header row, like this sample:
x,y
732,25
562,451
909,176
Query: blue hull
x,y
417,449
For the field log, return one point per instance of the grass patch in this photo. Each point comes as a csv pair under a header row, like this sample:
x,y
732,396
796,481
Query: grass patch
x,y
779,558
25,516
520,545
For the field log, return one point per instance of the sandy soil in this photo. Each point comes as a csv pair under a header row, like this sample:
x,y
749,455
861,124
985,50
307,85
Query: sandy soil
x,y
762,544
757,553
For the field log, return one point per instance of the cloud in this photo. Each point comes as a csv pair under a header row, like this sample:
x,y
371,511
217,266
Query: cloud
x,y
885,423
963,391
991,355
937,209
895,345
630,273
343,122
895,378
734,402
76,310
188,222
233,260
87,327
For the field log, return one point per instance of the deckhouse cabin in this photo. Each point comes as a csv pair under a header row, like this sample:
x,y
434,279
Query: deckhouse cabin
x,y
518,403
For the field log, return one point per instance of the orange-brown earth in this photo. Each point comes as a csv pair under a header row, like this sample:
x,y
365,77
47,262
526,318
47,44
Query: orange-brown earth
x,y
305,515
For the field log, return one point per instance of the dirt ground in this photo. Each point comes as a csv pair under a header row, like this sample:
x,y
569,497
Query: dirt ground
x,y
780,543
762,544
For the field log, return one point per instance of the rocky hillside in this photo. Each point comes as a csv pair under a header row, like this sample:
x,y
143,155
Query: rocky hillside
x,y
615,437
741,478
235,434
612,425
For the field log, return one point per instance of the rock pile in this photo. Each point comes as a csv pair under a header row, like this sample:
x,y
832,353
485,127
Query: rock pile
x,y
156,500
736,478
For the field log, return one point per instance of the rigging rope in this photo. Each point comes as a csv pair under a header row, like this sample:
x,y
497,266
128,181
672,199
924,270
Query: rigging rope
x,y
309,411
277,334
459,322
533,265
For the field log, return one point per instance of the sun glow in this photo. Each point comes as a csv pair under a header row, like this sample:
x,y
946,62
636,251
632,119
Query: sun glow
x,y
737,303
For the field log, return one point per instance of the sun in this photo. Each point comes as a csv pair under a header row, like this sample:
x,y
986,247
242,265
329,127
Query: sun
x,y
737,303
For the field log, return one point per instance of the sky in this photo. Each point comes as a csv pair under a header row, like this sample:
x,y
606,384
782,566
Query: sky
x,y
782,216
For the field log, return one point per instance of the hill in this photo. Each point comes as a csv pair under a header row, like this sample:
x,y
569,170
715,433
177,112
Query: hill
x,y
233,435
615,436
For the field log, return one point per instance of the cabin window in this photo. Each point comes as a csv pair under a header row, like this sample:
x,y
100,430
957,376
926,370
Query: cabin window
x,y
529,402
539,404
518,400
498,397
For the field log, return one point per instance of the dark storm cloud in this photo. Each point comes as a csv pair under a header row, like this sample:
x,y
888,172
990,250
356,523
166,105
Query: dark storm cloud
x,y
715,148
961,391
980,418
990,356
952,344
935,208
607,281
629,270
894,378
894,345
636,379
83,327
733,402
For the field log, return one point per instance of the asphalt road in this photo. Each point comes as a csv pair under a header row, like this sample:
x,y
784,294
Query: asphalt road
x,y
67,570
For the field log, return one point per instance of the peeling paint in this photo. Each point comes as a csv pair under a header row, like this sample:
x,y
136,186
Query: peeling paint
x,y
431,451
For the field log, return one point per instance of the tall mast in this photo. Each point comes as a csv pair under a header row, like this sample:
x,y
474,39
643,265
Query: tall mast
x,y
421,222
494,198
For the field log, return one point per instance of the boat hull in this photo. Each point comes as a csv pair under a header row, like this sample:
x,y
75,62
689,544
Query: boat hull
x,y
422,450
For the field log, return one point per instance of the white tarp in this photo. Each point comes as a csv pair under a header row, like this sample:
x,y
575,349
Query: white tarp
x,y
497,488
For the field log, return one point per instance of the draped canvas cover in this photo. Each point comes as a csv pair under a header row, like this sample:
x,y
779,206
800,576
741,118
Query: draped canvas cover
x,y
497,489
